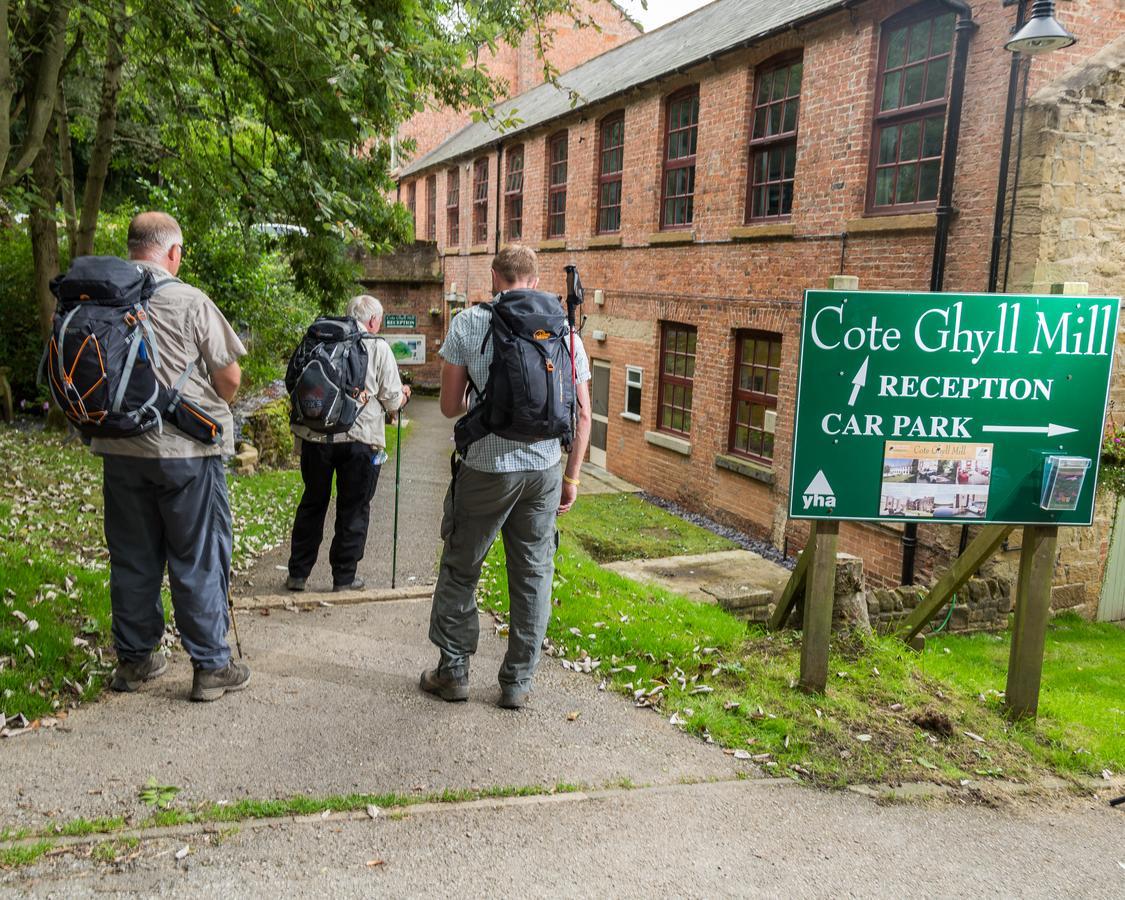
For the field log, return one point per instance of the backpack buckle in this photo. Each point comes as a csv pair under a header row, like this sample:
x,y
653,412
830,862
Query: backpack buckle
x,y
550,366
130,320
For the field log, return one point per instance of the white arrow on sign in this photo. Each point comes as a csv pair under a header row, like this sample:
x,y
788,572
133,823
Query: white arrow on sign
x,y
1051,429
859,381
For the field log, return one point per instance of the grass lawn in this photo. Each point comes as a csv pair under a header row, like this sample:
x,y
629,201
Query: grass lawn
x,y
888,714
611,527
1082,701
54,570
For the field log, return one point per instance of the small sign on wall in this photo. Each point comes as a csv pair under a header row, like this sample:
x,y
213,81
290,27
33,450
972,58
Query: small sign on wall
x,y
409,349
399,320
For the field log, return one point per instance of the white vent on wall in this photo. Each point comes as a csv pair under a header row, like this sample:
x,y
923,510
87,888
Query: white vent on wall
x,y
599,297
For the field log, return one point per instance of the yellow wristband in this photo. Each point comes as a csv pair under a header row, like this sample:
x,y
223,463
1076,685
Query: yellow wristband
x,y
570,480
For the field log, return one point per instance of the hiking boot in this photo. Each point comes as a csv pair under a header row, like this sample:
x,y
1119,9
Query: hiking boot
x,y
211,684
130,676
512,696
357,584
293,583
450,686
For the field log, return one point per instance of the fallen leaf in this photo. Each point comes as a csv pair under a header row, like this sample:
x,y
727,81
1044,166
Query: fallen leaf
x,y
742,754
372,811
572,716
863,738
183,852
375,863
975,737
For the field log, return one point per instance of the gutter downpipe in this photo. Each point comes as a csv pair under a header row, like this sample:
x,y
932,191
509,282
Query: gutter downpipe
x,y
499,195
1005,159
963,34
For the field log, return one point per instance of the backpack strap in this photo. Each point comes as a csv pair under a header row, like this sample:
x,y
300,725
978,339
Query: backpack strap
x,y
62,341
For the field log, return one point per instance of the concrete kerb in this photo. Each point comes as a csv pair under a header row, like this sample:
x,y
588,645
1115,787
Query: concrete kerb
x,y
906,792
314,599
158,832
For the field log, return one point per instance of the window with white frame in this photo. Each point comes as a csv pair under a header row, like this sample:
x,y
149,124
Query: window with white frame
x,y
633,379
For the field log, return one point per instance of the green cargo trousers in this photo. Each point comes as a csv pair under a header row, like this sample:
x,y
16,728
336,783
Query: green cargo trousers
x,y
521,506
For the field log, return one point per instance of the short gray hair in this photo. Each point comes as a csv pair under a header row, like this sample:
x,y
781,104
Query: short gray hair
x,y
154,230
364,307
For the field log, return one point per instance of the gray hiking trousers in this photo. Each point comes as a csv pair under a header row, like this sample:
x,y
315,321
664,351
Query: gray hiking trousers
x,y
174,512
521,506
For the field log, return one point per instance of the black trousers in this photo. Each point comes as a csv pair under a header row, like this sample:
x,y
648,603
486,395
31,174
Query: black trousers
x,y
356,478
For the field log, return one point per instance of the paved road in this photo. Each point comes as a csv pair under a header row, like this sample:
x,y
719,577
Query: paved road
x,y
744,839
424,479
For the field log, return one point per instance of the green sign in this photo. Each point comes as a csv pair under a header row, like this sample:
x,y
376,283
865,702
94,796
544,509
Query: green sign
x,y
395,320
951,407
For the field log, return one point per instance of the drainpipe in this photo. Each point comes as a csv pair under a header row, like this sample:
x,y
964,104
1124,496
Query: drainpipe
x,y
1005,159
962,35
499,194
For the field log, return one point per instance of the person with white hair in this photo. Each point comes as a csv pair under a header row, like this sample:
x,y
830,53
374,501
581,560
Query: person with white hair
x,y
353,458
166,494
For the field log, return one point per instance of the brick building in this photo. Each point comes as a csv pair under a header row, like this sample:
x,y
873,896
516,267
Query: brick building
x,y
522,69
712,171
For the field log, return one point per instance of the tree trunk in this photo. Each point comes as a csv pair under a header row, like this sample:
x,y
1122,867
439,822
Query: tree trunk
x,y
6,87
44,228
66,162
103,135
50,37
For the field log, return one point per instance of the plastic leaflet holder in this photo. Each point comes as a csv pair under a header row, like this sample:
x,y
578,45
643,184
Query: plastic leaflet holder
x,y
1063,477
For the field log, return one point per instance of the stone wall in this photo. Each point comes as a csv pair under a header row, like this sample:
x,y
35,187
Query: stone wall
x,y
1070,226
981,605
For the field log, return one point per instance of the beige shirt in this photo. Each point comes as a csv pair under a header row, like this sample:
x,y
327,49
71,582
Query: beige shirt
x,y
189,329
383,386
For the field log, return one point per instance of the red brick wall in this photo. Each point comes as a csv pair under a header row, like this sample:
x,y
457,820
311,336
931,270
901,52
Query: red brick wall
x,y
726,280
522,69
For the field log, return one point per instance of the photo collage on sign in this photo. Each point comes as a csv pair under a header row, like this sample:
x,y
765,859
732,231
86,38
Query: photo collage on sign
x,y
935,480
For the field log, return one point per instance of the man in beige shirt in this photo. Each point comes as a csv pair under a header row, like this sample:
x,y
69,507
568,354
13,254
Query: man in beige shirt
x,y
353,458
166,494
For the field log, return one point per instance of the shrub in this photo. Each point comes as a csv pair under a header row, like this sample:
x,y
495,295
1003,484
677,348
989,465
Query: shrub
x,y
249,279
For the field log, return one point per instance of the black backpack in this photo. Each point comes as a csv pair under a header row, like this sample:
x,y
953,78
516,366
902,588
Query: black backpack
x,y
101,359
529,395
327,375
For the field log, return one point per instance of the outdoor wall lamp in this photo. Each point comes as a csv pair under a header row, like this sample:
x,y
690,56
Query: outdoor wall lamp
x,y
1042,33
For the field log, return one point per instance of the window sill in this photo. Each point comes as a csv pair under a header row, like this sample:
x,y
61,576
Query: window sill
x,y
763,232
556,244
672,237
479,248
902,222
668,442
748,468
605,240
630,417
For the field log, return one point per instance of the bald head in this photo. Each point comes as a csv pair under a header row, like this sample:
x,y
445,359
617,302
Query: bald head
x,y
156,237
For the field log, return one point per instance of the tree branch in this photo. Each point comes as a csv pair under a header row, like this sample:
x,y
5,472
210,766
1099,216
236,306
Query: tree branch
x,y
7,88
41,107
103,136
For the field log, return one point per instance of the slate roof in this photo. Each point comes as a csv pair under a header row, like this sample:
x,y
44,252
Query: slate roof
x,y
713,29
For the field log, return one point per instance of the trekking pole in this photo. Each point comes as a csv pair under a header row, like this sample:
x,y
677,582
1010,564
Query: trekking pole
x,y
233,620
574,296
398,470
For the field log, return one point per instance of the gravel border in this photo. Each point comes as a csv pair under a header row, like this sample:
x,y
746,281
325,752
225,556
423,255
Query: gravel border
x,y
762,548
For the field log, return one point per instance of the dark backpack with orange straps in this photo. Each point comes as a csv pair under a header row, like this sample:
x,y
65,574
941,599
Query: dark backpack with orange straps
x,y
101,359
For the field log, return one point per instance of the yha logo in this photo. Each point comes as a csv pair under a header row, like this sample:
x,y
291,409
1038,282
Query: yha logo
x,y
542,335
819,493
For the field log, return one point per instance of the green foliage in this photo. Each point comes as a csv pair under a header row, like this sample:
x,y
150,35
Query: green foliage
x,y
160,796
1113,447
21,345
